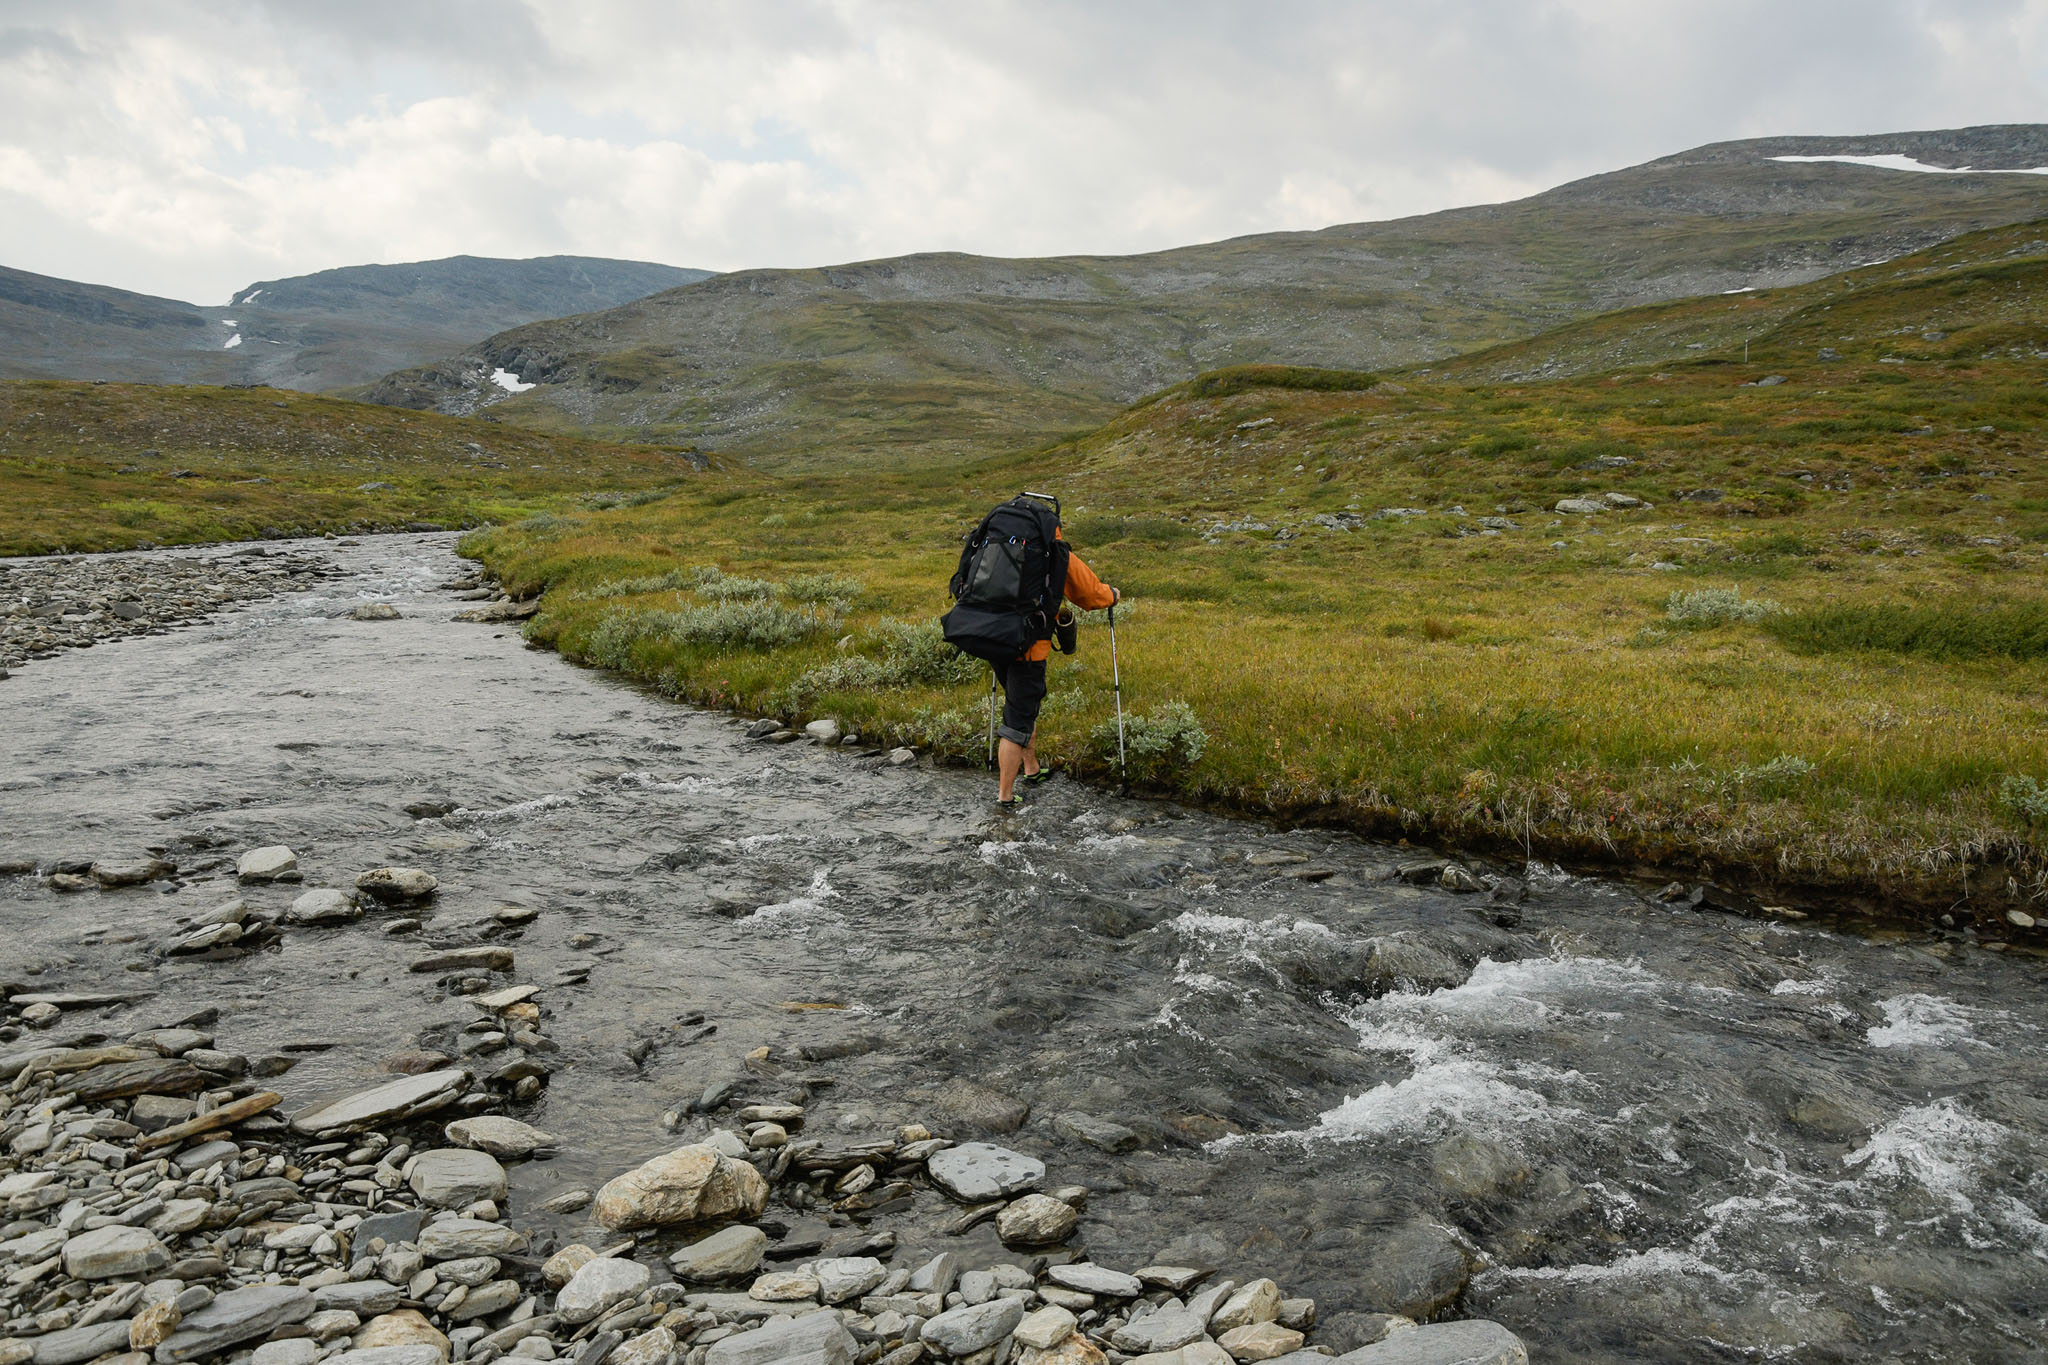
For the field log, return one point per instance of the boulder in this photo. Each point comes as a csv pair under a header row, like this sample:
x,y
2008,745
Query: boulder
x,y
397,885
975,1172
812,1339
327,905
498,1135
724,1255
129,872
273,864
1037,1220
235,1316
1096,1132
847,1277
390,1102
600,1286
963,1331
373,611
454,1239
455,1177
114,1252
1473,1342
692,1184
1258,1301
1413,1271
971,1107
1582,507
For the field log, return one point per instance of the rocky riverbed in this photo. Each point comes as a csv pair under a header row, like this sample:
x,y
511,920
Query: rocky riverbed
x,y
427,925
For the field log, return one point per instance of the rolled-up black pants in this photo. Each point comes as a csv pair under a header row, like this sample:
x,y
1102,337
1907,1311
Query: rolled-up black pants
x,y
1023,683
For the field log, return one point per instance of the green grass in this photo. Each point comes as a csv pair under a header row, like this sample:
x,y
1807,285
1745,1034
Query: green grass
x,y
1954,630
127,466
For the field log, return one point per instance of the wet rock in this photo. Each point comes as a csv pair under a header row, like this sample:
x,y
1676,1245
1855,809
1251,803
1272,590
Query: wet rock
x,y
1037,1220
1414,1271
1473,1342
1473,1168
327,905
480,959
1176,1279
689,1185
902,758
455,1177
825,731
1169,1329
373,611
130,872
977,1171
568,1201
725,1255
763,728
1096,1132
963,1331
235,1316
1459,879
398,885
498,1135
203,940
598,1287
387,1103
1347,1332
971,1107
110,1252
812,1339
431,807
275,863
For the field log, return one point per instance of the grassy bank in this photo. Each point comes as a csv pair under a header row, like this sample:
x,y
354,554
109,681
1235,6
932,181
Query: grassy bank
x,y
1810,658
123,466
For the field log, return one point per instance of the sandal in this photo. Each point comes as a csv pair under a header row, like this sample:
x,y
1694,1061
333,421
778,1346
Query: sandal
x,y
1015,803
1043,775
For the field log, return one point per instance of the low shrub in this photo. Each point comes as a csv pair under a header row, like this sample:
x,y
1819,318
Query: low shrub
x,y
1716,607
1157,745
713,584
674,580
753,625
2025,797
908,654
1952,630
823,587
1243,378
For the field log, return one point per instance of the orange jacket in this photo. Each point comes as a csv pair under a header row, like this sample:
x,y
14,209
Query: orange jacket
x,y
1085,591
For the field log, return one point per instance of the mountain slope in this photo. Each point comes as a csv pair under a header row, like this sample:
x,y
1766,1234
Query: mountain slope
x,y
940,355
327,330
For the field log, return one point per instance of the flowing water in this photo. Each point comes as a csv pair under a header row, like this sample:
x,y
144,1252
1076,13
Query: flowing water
x,y
1662,1135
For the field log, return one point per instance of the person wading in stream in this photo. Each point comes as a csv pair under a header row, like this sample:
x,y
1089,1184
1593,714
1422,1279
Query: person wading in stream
x,y
1015,573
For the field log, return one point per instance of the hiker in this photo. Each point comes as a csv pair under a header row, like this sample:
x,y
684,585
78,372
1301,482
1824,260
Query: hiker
x,y
1015,574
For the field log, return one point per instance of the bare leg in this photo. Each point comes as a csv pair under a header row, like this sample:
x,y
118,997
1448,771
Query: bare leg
x,y
1009,759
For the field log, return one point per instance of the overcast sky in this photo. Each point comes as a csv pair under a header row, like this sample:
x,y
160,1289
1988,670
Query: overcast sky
x,y
191,147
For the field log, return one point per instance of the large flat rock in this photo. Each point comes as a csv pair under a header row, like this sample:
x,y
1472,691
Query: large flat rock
x,y
979,1171
813,1339
1476,1342
393,1100
236,1316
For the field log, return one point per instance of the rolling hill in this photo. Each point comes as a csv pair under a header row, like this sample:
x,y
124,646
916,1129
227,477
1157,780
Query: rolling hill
x,y
941,356
333,329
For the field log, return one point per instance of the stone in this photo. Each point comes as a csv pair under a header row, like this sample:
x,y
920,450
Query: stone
x,y
1414,1271
235,1316
1579,506
405,1327
398,885
1046,1327
452,1239
1475,1341
651,1347
289,1351
1258,1301
323,906
392,1229
561,1267
1095,1279
1169,1329
963,1331
936,1276
1459,879
386,1355
975,1172
809,1339
130,872
470,1270
825,731
902,758
484,1300
41,1014
153,1326
973,1108
1300,1314
1347,1332
114,1252
1036,1220
1260,1341
73,1344
479,959
847,1277
203,940
499,1136
275,863
689,1185
568,1201
784,1286
153,1112
1096,1132
725,1255
456,1177
358,1296
1177,1279
600,1286
387,1103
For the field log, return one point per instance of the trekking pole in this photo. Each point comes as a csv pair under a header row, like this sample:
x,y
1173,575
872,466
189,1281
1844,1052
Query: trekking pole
x,y
1123,770
991,721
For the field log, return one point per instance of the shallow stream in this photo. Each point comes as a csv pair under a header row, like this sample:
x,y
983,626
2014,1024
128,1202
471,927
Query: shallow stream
x,y
1663,1135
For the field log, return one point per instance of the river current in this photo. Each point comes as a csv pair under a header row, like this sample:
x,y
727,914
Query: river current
x,y
1660,1134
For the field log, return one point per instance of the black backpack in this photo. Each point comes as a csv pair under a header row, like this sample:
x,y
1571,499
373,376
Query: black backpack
x,y
1011,579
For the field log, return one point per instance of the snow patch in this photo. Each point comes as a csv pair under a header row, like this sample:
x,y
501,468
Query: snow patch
x,y
508,381
1907,163
229,322
232,342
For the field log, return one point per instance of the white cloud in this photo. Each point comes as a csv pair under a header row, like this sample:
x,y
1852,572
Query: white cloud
x,y
188,148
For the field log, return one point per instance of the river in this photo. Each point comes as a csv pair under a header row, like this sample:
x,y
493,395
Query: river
x,y
1660,1134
